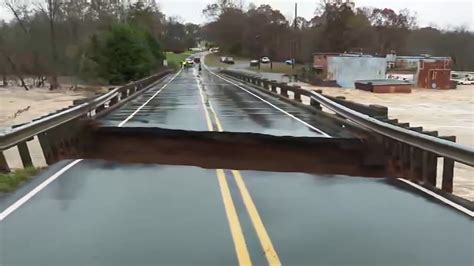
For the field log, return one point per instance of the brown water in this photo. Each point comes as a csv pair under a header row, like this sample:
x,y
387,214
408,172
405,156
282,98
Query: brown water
x,y
450,112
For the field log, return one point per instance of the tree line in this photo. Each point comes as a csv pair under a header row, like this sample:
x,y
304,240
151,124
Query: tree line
x,y
105,41
258,31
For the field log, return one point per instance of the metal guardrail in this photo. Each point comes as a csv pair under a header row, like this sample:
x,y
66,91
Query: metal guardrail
x,y
20,135
27,131
412,152
436,145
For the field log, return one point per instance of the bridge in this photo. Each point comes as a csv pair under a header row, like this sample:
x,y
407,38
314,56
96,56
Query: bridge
x,y
223,168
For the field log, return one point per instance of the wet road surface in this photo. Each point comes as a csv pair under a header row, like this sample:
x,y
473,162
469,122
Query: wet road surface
x,y
100,213
191,99
175,103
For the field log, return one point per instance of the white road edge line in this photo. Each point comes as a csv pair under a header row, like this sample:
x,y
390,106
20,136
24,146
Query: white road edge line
x,y
149,100
439,197
36,190
203,101
274,106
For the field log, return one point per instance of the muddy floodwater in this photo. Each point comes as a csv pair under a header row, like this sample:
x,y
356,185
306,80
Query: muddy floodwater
x,y
21,106
450,112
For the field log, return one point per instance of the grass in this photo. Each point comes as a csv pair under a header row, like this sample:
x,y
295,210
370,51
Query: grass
x,y
278,67
9,182
213,60
174,60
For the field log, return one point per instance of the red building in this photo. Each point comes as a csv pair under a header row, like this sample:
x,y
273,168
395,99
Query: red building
x,y
320,61
429,72
435,74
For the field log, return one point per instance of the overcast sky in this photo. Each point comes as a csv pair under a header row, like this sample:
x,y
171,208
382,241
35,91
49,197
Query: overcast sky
x,y
442,13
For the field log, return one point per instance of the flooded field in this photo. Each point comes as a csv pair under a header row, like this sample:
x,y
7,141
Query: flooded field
x,y
450,112
21,106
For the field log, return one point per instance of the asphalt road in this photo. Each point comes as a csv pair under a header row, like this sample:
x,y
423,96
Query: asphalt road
x,y
191,100
101,213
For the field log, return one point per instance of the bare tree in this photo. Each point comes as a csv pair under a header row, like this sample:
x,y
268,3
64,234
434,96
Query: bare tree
x,y
21,12
51,9
14,68
6,55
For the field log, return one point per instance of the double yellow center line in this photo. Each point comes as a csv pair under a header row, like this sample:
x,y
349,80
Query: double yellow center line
x,y
232,217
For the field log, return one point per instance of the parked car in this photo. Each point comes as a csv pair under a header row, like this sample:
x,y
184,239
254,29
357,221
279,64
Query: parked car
x,y
465,81
197,60
289,62
223,58
254,62
229,60
214,50
265,60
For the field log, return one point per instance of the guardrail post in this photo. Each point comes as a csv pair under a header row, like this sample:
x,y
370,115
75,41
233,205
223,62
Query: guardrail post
x,y
3,164
404,155
396,149
430,163
284,90
315,104
296,94
448,171
115,100
25,155
255,81
100,108
415,164
429,168
252,80
273,84
382,111
265,83
49,152
417,129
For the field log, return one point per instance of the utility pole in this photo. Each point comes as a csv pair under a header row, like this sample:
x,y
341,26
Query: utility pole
x,y
296,35
257,40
